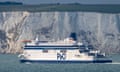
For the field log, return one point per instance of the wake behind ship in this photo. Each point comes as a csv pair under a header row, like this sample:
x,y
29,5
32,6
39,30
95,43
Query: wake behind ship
x,y
62,51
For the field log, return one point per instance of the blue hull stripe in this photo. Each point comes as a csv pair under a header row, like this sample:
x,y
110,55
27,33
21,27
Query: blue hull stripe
x,y
53,48
82,46
68,61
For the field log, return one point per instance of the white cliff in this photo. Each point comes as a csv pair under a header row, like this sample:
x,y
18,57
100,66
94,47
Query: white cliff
x,y
99,29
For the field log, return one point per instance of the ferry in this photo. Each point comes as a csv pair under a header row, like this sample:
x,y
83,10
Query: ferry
x,y
68,50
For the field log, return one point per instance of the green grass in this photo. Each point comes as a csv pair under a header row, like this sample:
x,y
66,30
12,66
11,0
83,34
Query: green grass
x,y
10,63
61,7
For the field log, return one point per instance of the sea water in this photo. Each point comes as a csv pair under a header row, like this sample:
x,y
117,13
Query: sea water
x,y
10,63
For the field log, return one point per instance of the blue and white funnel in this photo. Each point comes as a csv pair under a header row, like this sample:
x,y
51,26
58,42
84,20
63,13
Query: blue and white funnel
x,y
73,35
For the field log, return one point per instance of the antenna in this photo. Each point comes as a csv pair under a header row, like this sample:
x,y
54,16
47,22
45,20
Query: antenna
x,y
37,38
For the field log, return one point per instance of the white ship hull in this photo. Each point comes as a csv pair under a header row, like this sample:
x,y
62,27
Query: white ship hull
x,y
53,54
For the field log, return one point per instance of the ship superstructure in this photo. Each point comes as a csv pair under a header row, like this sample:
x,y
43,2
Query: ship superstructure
x,y
62,51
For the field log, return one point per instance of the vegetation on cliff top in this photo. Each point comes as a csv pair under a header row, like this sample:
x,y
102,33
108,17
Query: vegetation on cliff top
x,y
105,8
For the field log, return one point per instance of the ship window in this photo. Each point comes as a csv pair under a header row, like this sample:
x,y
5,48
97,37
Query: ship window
x,y
45,51
63,51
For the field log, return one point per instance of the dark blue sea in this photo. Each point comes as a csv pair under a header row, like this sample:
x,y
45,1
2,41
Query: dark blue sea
x,y
10,63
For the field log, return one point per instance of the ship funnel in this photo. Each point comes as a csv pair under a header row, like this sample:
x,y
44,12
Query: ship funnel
x,y
73,35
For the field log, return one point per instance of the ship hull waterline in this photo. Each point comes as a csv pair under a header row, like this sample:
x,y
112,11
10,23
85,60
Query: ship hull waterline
x,y
65,61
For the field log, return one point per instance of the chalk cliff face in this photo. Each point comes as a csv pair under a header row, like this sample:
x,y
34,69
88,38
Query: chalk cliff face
x,y
99,29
